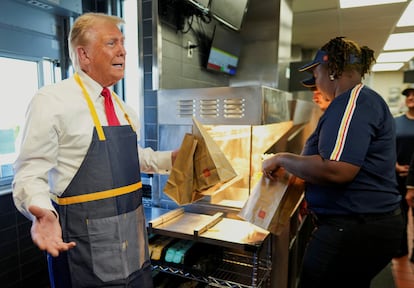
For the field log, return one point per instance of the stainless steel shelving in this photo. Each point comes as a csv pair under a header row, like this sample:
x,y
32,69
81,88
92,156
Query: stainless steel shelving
x,y
246,250
235,271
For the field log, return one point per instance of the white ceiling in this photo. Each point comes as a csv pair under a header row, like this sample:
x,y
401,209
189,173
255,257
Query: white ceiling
x,y
315,22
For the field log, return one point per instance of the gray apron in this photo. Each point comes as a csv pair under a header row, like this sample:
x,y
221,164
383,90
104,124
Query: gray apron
x,y
101,210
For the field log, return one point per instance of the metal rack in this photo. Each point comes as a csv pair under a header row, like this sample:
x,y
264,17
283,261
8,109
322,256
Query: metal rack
x,y
242,271
245,272
246,255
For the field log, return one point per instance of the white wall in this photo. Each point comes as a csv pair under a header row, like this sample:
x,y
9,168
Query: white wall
x,y
389,85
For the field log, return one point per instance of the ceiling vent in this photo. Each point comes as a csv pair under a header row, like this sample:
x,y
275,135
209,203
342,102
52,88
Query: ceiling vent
x,y
59,7
39,4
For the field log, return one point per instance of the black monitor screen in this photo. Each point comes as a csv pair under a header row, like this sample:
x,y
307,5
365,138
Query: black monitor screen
x,y
224,51
229,12
409,76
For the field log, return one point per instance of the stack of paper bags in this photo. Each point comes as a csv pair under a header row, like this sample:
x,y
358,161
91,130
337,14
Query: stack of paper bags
x,y
200,164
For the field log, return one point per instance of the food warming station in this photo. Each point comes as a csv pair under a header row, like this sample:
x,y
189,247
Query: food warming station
x,y
247,123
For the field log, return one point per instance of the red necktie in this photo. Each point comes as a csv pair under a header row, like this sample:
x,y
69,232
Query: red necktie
x,y
109,108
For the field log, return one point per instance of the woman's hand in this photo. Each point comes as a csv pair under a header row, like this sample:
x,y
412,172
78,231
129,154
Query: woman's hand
x,y
271,167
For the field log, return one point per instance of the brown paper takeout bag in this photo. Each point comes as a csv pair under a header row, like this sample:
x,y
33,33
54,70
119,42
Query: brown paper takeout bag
x,y
200,166
210,164
179,186
271,203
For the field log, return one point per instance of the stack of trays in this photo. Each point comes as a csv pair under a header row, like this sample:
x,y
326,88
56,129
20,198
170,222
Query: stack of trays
x,y
180,252
158,246
184,254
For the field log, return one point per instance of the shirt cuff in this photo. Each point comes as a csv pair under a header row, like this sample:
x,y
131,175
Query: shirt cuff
x,y
42,202
165,162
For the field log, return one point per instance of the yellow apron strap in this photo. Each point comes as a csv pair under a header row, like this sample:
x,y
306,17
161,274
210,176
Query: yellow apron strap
x,y
123,110
101,134
98,195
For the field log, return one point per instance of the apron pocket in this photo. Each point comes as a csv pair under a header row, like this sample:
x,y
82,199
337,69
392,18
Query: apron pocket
x,y
117,245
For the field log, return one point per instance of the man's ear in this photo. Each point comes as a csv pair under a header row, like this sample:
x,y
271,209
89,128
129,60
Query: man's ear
x,y
82,55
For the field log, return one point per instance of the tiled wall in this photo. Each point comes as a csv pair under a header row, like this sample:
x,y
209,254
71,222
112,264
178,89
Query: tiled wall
x,y
22,264
168,67
150,97
178,71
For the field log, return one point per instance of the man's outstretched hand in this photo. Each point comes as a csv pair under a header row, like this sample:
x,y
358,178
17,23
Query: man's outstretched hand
x,y
47,233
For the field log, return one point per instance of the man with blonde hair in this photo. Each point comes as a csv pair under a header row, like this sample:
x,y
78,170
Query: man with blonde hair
x,y
80,149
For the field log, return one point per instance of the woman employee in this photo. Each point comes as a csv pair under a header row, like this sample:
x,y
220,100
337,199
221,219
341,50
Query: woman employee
x,y
348,165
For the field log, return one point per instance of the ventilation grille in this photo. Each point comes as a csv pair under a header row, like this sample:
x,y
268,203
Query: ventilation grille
x,y
234,108
186,108
209,108
231,108
39,4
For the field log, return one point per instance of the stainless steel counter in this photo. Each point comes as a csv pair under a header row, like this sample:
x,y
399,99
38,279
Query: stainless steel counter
x,y
211,229
245,257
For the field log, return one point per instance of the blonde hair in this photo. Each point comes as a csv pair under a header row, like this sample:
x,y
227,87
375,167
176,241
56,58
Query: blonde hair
x,y
78,34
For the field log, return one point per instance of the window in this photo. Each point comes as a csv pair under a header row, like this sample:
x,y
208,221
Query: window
x,y
133,77
23,78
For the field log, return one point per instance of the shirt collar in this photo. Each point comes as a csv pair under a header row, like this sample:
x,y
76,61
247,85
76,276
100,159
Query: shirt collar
x,y
94,88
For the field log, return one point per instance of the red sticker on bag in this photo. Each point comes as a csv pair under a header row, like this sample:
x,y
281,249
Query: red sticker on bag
x,y
206,173
261,214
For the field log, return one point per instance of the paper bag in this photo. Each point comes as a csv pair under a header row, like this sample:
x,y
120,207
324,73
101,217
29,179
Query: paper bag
x,y
180,184
271,203
210,164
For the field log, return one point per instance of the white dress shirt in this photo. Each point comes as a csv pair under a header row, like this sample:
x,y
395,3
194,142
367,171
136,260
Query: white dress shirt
x,y
57,134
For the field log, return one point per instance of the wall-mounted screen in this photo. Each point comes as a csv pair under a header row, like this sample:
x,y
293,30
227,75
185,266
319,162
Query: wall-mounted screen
x,y
409,76
224,51
229,12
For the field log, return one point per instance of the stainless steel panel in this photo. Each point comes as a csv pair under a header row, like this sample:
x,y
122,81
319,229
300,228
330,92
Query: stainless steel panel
x,y
248,105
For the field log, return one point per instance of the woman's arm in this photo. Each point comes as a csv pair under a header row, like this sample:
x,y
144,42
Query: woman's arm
x,y
313,169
